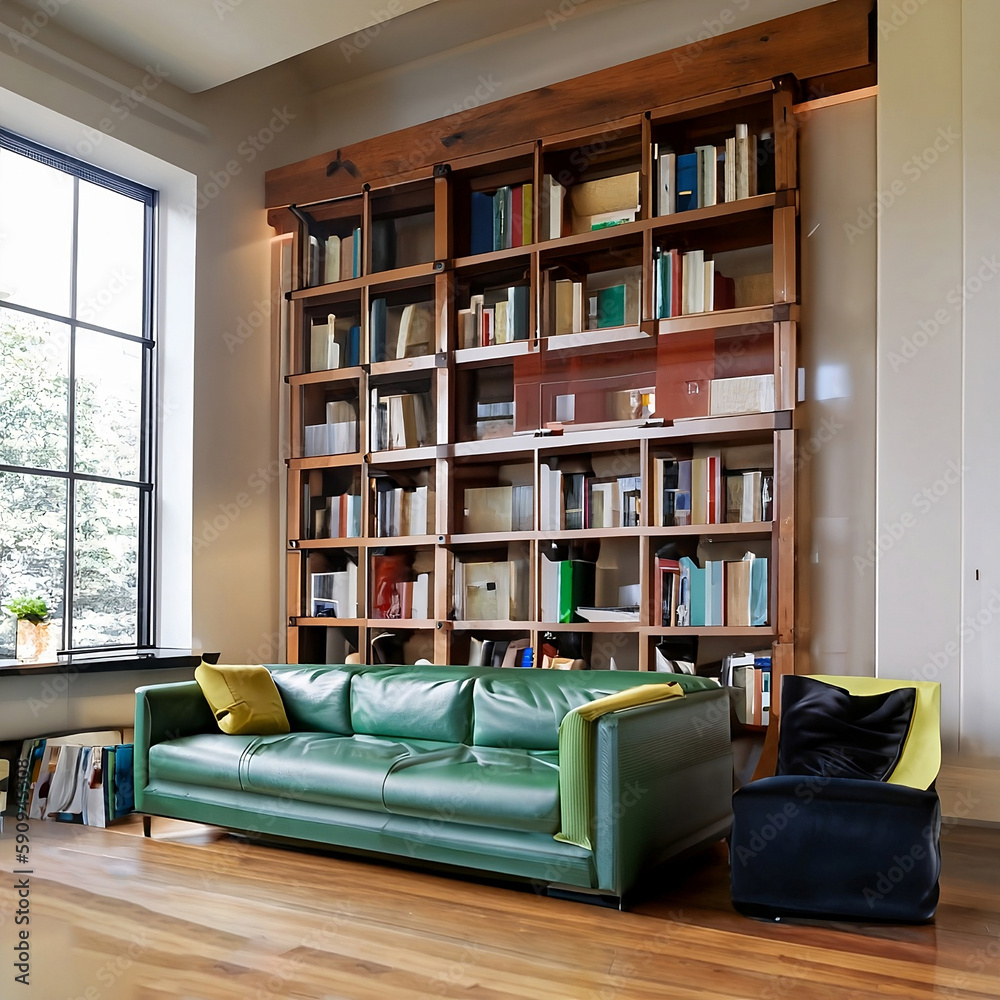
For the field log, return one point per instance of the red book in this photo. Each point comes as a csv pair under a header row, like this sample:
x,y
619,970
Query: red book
x,y
725,292
516,215
676,283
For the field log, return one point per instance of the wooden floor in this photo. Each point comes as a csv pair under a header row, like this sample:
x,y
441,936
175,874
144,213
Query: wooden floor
x,y
198,915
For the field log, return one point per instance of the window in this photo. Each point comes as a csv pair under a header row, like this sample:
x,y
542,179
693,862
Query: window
x,y
76,387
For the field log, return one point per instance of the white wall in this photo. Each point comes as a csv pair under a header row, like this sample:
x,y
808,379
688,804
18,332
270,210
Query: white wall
x,y
938,359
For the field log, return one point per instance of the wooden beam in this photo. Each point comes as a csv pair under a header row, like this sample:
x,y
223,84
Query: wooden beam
x,y
823,40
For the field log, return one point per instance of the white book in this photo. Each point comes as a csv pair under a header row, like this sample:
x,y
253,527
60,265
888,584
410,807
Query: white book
x,y
324,351
742,394
421,597
553,194
709,304
667,184
331,260
693,282
94,811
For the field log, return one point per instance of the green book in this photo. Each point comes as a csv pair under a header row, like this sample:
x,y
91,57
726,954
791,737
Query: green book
x,y
611,306
576,588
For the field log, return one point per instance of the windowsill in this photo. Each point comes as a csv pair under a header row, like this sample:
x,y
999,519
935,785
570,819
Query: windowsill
x,y
108,661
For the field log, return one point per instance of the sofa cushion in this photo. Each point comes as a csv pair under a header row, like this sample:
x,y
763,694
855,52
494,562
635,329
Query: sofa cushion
x,y
484,786
242,697
828,731
424,703
317,698
524,708
332,770
211,759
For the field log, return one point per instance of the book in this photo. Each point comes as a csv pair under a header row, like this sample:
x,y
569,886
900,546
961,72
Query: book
x,y
742,394
666,176
611,306
686,197
313,269
481,223
693,290
619,192
377,322
347,257
527,209
331,260
706,175
383,236
737,597
516,216
568,307
551,208
416,330
630,613
746,162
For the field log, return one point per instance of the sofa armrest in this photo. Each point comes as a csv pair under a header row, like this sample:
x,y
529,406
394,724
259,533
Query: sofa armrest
x,y
664,782
166,712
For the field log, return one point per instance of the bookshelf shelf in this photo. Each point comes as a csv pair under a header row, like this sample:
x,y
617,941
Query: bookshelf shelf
x,y
546,392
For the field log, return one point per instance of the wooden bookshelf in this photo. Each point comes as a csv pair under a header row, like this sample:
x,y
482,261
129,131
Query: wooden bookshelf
x,y
606,401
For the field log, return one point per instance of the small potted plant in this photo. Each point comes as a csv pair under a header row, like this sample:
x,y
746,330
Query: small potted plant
x,y
32,615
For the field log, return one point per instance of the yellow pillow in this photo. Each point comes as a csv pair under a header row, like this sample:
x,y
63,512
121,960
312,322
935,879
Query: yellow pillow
x,y
244,699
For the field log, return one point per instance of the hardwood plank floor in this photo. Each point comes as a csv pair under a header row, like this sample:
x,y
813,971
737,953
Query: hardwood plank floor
x,y
200,915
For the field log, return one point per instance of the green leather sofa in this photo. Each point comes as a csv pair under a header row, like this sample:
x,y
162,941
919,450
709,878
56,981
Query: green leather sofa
x,y
451,765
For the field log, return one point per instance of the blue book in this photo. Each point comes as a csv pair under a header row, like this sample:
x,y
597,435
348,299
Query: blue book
x,y
687,181
124,783
481,223
354,346
695,587
357,253
377,330
758,591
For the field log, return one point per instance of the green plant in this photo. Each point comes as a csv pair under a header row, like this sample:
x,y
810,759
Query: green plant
x,y
32,609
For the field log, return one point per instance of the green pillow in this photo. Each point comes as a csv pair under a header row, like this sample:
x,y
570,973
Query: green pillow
x,y
243,698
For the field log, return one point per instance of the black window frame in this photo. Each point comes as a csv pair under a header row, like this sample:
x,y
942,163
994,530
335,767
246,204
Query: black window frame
x,y
80,170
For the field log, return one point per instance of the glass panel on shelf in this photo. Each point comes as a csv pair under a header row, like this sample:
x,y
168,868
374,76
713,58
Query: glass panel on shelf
x,y
402,233
485,403
330,420
402,325
598,491
332,337
404,502
332,584
333,248
494,498
331,503
493,584
591,185
402,415
722,156
401,584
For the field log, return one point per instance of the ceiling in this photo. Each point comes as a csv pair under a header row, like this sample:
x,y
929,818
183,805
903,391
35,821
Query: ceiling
x,y
205,43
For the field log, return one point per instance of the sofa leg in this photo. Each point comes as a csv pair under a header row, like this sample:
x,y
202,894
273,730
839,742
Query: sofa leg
x,y
595,898
147,825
